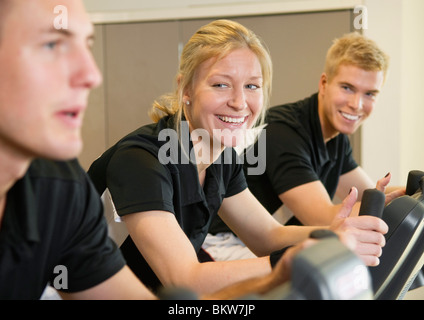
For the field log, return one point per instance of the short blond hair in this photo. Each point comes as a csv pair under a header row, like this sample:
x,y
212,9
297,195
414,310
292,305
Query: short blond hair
x,y
355,49
214,40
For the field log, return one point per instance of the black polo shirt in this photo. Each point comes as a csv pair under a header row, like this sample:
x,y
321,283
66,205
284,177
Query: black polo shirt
x,y
54,217
296,153
139,180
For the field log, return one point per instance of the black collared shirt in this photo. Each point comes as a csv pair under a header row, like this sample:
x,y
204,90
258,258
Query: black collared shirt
x,y
140,180
54,217
297,154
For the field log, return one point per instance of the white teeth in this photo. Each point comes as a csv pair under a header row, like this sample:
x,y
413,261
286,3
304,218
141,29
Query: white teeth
x,y
231,120
350,117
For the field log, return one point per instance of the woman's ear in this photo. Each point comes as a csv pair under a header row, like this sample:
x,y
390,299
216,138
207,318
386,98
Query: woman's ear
x,y
186,99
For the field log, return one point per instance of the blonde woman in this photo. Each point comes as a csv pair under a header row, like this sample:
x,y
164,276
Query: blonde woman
x,y
168,180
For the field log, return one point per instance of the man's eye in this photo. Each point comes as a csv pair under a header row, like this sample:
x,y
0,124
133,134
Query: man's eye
x,y
50,45
347,88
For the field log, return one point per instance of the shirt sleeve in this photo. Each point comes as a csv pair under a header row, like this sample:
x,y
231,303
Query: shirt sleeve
x,y
89,255
138,182
288,159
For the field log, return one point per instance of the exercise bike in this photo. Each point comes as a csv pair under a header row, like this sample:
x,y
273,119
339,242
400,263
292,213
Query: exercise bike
x,y
402,258
319,271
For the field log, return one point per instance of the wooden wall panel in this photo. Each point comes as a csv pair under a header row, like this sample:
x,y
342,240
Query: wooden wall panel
x,y
298,44
141,62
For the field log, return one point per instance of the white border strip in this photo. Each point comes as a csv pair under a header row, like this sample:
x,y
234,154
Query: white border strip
x,y
230,10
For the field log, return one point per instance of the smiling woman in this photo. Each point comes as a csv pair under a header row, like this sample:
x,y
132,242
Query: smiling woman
x,y
205,44
177,187
226,97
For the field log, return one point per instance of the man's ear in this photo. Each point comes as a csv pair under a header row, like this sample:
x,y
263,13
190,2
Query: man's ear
x,y
323,81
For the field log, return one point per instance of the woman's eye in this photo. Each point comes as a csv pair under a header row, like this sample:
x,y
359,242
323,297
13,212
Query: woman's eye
x,y
252,86
220,85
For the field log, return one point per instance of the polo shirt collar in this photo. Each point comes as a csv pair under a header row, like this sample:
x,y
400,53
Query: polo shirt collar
x,y
327,151
213,184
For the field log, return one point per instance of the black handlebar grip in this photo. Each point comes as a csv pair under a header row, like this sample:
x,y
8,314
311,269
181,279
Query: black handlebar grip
x,y
322,233
413,182
372,203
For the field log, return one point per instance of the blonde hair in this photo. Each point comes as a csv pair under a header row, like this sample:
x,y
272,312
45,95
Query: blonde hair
x,y
216,39
355,49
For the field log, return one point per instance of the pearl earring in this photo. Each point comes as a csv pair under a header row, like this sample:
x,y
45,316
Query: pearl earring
x,y
188,102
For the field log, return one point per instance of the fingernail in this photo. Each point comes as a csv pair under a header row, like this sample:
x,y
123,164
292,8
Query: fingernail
x,y
350,191
387,175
